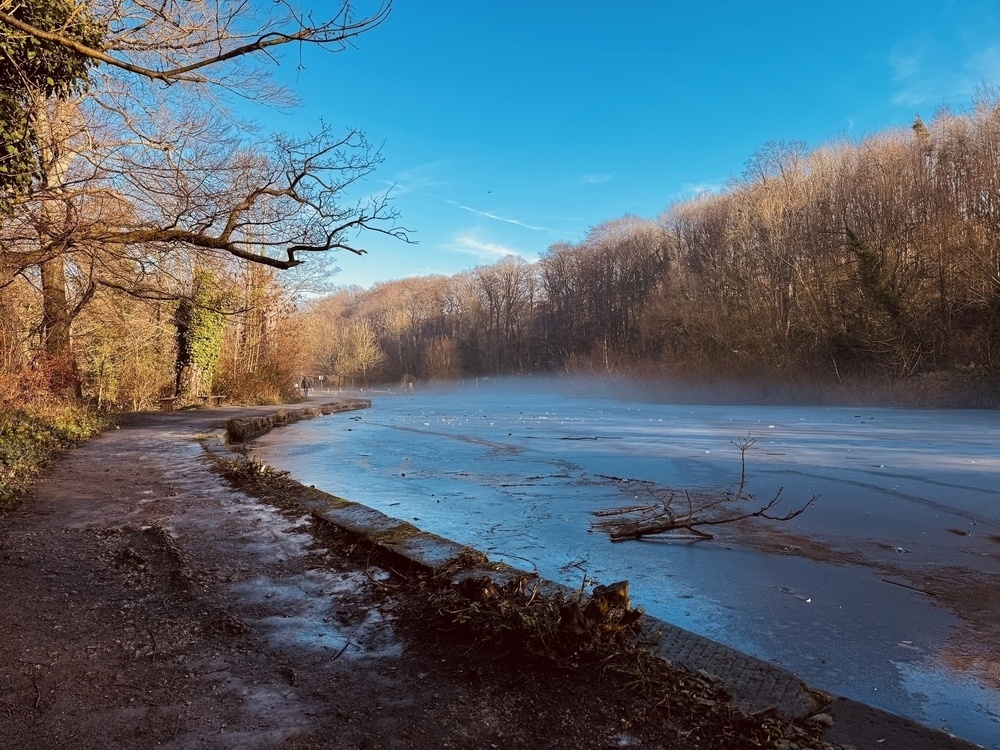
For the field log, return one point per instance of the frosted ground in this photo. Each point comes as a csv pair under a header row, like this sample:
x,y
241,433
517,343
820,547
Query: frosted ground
x,y
885,590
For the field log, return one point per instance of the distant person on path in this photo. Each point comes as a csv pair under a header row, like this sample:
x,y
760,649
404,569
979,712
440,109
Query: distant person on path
x,y
305,386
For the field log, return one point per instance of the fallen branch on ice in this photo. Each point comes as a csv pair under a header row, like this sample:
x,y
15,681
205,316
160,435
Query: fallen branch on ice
x,y
668,514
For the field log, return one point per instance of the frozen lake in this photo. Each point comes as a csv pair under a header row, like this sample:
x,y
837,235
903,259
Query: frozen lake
x,y
886,590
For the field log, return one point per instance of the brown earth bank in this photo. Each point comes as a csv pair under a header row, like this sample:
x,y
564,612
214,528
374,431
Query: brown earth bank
x,y
146,601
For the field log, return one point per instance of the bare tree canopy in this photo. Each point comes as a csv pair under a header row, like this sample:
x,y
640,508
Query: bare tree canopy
x,y
264,205
182,40
189,173
112,183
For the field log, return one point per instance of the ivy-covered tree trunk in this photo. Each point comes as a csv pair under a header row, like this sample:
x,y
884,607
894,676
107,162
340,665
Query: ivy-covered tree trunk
x,y
183,366
199,325
35,71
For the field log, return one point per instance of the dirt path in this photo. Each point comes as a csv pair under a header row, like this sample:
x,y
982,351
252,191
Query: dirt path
x,y
146,603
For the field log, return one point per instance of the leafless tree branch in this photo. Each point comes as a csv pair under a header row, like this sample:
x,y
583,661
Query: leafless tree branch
x,y
667,514
340,29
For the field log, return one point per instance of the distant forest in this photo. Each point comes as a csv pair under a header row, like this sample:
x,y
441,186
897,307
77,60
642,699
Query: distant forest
x,y
865,264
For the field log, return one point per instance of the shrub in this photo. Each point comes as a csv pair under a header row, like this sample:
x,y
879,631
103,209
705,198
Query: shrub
x,y
29,438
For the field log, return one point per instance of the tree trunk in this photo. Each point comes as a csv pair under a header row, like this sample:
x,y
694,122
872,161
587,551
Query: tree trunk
x,y
185,385
55,310
53,123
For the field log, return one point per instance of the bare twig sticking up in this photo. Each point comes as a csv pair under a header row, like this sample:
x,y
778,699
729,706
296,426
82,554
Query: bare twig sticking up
x,y
669,514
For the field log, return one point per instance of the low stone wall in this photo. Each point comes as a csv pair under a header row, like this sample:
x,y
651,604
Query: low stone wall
x,y
241,430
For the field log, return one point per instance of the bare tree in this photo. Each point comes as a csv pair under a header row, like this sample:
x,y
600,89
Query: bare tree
x,y
672,515
351,353
595,292
506,291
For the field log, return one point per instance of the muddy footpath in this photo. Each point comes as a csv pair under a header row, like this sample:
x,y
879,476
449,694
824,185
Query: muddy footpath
x,y
147,601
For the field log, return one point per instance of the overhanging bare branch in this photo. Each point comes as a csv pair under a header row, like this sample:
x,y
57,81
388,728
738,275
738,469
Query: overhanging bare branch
x,y
338,30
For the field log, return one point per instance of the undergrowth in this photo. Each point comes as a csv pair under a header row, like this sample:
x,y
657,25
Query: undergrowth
x,y
512,620
31,437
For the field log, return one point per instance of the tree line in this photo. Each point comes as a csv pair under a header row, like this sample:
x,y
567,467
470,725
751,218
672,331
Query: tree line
x,y
869,261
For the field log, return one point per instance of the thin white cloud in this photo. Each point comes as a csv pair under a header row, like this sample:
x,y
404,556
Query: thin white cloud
x,y
495,217
984,67
412,179
691,190
916,84
596,179
694,189
924,75
466,243
469,244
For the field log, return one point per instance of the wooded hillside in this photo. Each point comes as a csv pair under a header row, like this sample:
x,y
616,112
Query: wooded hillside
x,y
876,261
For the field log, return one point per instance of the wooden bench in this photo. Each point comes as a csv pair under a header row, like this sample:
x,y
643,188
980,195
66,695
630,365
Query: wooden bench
x,y
211,400
167,403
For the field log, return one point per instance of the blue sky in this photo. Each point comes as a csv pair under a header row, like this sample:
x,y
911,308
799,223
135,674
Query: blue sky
x,y
508,126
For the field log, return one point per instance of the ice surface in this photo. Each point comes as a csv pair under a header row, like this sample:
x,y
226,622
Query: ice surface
x,y
517,473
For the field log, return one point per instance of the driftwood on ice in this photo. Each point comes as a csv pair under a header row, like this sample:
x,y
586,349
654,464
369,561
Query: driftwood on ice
x,y
685,517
